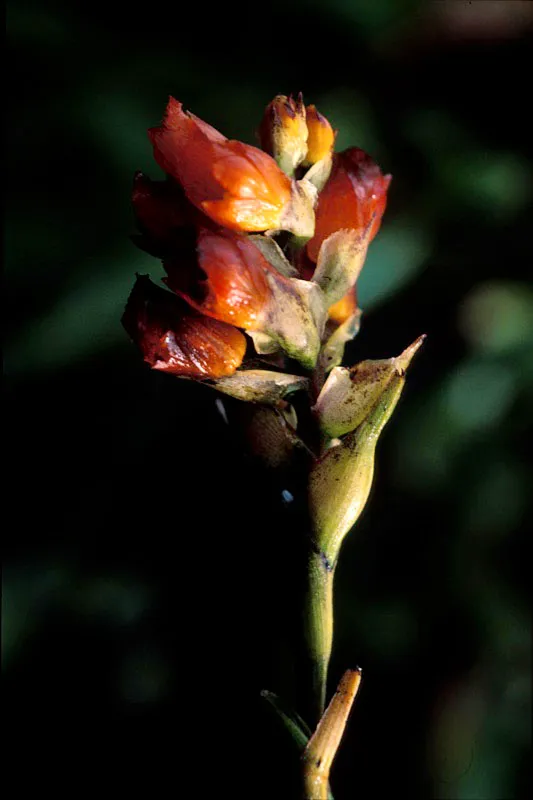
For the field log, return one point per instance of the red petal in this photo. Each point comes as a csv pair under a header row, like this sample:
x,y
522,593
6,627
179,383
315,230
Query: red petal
x,y
183,149
213,170
355,193
175,339
229,282
246,172
207,129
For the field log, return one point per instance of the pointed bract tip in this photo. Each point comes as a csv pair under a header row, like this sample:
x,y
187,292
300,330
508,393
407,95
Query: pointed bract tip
x,y
404,359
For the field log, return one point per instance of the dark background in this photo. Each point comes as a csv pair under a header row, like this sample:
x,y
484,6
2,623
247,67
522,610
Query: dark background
x,y
148,582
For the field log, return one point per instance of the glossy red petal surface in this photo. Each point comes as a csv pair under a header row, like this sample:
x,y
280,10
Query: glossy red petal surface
x,y
228,282
355,193
216,173
245,172
174,338
183,149
242,215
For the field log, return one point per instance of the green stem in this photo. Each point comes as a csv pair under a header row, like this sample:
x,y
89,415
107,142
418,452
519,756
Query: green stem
x,y
318,629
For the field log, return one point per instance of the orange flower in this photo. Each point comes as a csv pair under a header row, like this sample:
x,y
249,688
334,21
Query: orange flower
x,y
354,197
235,184
320,136
227,279
283,131
173,338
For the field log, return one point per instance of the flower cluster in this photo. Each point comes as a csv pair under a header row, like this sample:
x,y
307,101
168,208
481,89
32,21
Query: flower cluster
x,y
266,242
262,249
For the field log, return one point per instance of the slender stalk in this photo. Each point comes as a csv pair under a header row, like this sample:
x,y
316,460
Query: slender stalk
x,y
318,629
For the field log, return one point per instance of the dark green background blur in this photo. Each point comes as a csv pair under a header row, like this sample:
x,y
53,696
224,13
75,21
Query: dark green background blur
x,y
147,587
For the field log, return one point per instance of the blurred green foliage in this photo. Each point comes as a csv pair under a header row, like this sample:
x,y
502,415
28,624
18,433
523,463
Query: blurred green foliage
x,y
123,591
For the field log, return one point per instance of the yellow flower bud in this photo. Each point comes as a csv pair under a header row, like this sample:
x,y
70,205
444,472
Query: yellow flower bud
x,y
283,132
320,136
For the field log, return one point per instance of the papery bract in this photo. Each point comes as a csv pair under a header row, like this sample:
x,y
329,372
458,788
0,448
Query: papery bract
x,y
344,308
349,395
340,481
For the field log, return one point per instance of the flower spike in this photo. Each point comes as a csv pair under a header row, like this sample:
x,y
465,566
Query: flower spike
x,y
262,250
